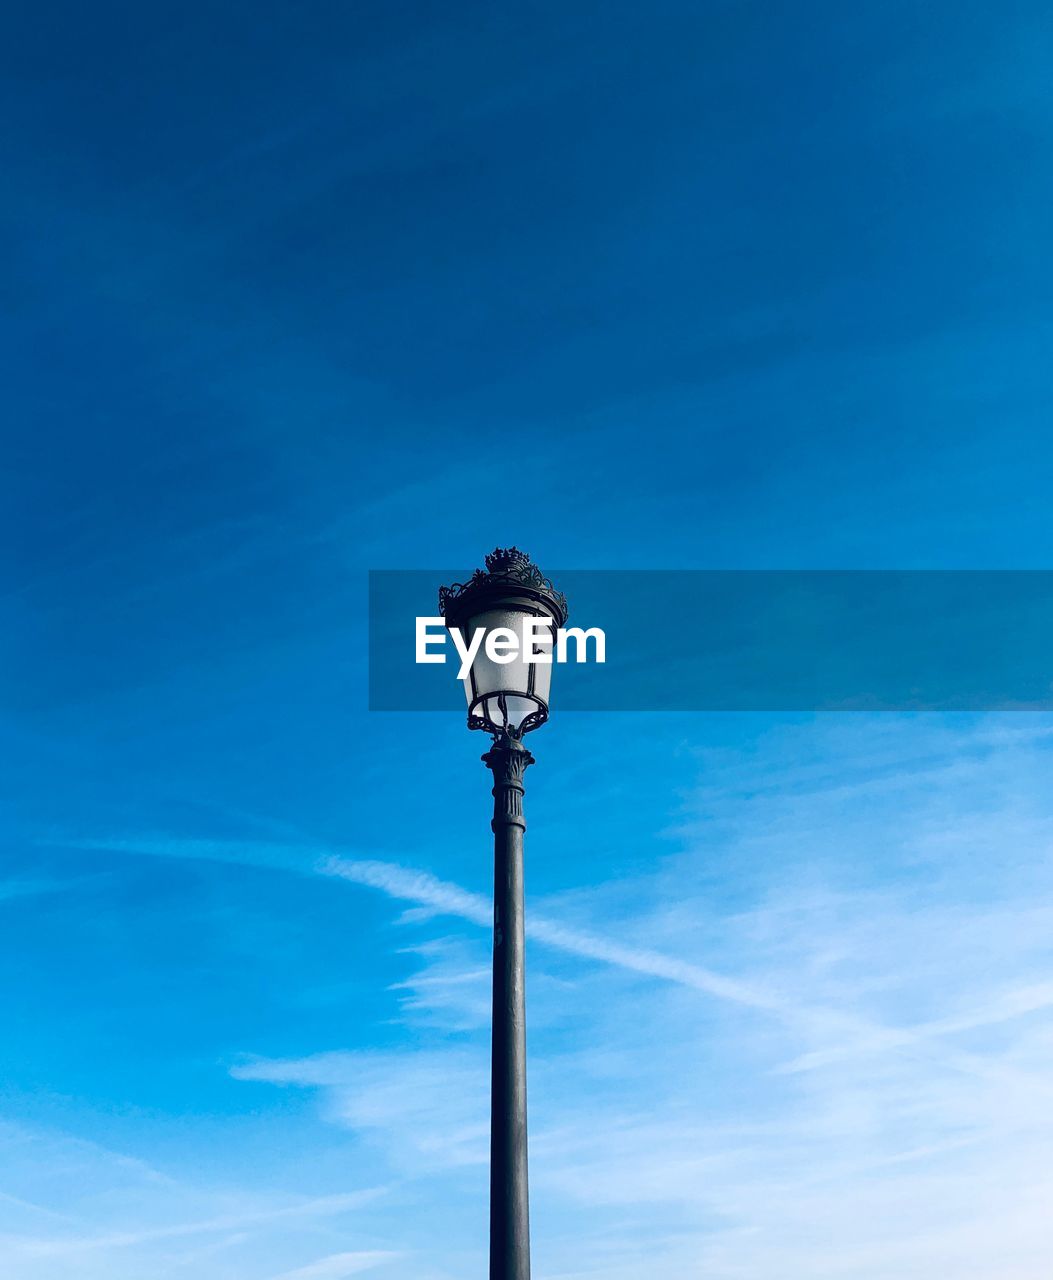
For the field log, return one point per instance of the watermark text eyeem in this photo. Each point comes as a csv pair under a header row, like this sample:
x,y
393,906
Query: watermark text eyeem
x,y
533,643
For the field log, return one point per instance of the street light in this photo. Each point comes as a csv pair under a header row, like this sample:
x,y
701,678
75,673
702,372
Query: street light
x,y
507,698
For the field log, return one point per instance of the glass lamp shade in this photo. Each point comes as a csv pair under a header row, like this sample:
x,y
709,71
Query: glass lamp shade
x,y
507,688
510,695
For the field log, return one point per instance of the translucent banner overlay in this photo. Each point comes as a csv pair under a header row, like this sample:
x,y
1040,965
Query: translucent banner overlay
x,y
741,640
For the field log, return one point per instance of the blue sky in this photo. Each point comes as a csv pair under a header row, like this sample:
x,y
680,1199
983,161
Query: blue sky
x,y
293,292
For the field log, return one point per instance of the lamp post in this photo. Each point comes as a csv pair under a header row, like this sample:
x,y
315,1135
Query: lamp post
x,y
507,696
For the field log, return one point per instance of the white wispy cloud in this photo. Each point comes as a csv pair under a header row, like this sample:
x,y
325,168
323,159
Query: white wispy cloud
x,y
423,890
441,896
783,1000
406,884
859,1088
431,1109
318,1206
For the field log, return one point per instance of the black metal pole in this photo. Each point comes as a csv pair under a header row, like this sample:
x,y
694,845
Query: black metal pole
x,y
509,1212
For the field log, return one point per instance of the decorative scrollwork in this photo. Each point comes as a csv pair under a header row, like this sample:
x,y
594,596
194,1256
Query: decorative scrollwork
x,y
505,567
532,720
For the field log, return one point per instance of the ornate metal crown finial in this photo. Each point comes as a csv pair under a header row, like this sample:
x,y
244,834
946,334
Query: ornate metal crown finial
x,y
507,560
507,569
